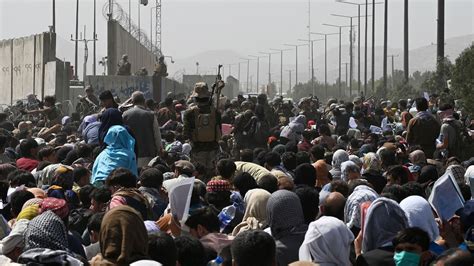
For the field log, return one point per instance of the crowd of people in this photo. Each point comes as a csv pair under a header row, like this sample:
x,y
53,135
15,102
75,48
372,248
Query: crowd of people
x,y
271,182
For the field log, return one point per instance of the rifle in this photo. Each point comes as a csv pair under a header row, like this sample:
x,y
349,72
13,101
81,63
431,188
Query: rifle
x,y
214,86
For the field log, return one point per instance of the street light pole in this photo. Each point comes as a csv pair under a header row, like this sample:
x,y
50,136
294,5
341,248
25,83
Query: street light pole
x,y
312,61
258,69
94,43
340,53
54,16
405,42
289,81
359,36
76,44
296,49
346,73
373,46
351,49
325,58
281,68
385,43
269,66
393,69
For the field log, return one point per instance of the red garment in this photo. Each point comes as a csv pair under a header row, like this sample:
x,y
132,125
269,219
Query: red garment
x,y
304,146
27,164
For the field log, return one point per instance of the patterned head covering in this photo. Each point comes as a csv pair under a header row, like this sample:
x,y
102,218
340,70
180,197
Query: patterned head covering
x,y
360,195
384,220
372,162
457,171
419,214
46,231
327,242
29,213
358,161
30,202
58,206
218,185
338,158
285,214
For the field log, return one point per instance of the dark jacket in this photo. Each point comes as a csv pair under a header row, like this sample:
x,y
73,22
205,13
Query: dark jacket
x,y
424,131
140,121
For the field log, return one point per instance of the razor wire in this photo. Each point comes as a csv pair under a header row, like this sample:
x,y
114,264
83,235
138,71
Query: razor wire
x,y
118,14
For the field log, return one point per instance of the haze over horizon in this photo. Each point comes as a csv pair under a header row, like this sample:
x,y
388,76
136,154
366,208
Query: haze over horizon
x,y
245,27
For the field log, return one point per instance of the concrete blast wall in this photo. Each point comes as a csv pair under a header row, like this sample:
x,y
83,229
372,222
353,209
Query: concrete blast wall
x,y
120,42
124,86
22,66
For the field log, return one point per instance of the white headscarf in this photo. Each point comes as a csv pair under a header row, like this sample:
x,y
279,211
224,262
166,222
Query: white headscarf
x,y
327,242
419,214
360,195
469,177
346,167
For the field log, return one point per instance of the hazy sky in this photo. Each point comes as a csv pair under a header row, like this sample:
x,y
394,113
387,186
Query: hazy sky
x,y
246,27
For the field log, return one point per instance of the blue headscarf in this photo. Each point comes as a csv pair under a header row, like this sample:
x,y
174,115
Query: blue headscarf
x,y
110,117
118,153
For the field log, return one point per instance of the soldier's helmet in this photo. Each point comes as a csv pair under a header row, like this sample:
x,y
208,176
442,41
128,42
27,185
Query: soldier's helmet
x,y
201,90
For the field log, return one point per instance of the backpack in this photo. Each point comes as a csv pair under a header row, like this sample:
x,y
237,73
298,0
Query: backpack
x,y
205,126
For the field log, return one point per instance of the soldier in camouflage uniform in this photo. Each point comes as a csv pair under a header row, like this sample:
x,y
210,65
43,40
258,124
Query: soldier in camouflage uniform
x,y
202,126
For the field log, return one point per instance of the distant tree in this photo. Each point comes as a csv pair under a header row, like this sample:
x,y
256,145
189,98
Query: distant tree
x,y
462,80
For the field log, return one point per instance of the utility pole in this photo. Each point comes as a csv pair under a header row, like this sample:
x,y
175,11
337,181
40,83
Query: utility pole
x,y
281,67
54,17
258,68
76,44
393,69
366,39
346,74
151,28
289,87
340,54
248,72
86,51
440,50
325,59
313,89
269,66
351,48
95,40
139,29
310,48
296,56
373,46
385,44
405,43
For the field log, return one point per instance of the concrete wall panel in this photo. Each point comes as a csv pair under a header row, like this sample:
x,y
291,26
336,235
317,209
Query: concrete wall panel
x,y
6,71
120,43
